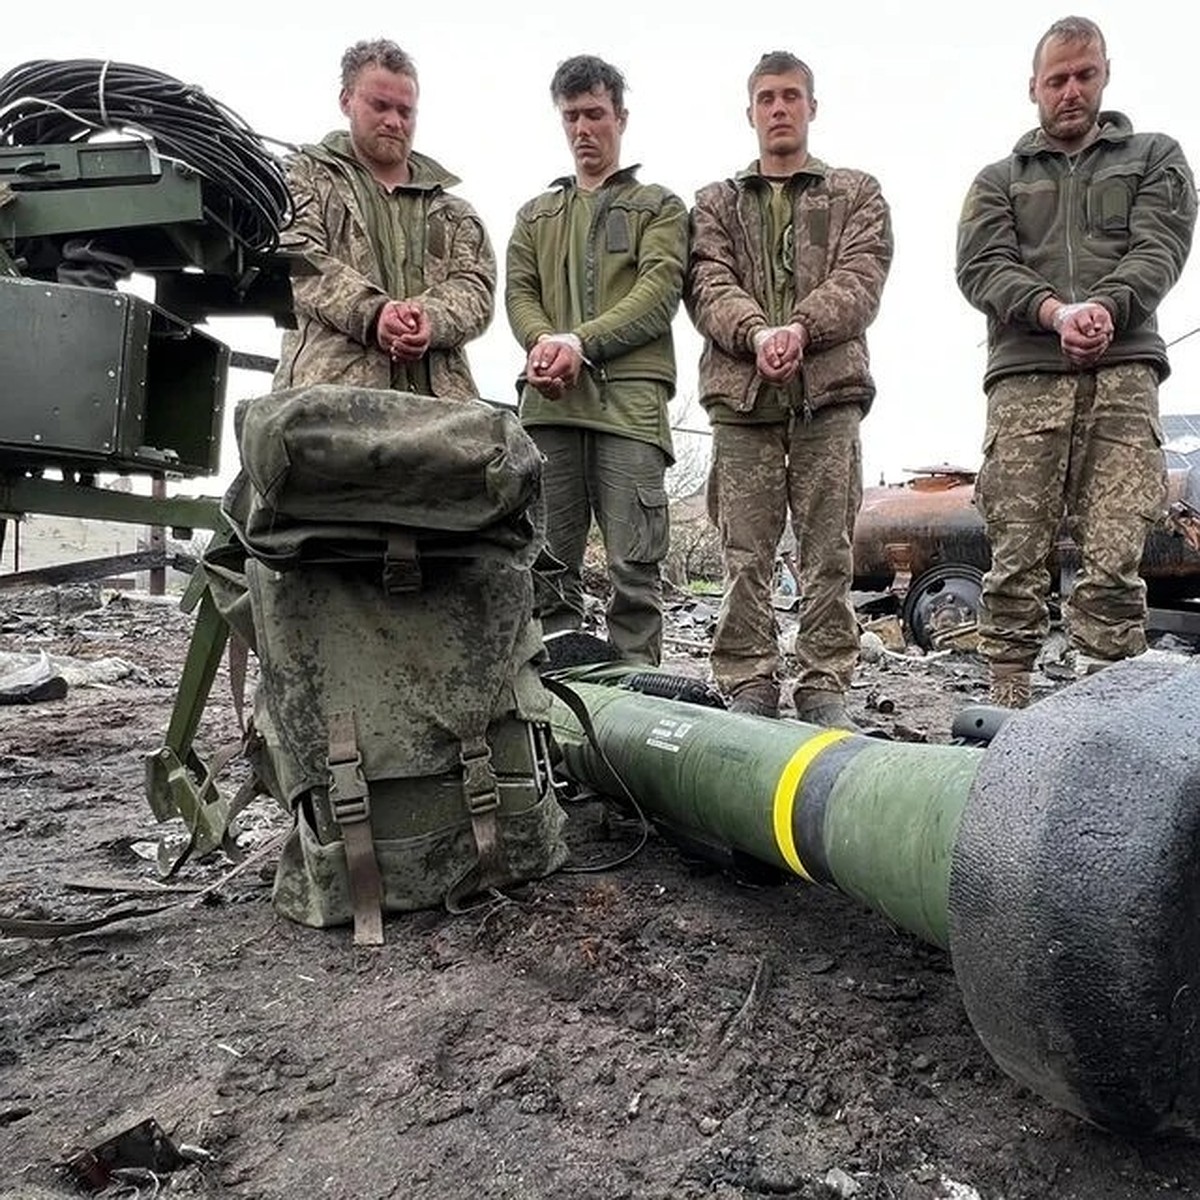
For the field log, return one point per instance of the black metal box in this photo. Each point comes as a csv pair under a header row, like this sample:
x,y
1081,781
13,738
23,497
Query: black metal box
x,y
92,379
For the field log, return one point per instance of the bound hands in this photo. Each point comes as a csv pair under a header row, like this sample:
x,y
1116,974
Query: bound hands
x,y
403,330
1085,330
554,364
778,352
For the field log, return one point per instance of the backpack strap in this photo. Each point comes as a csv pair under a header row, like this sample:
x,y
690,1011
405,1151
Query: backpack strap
x,y
481,794
401,563
56,928
350,803
238,652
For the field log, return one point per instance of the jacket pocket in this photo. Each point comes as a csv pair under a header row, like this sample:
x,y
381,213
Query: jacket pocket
x,y
441,228
616,234
437,235
840,369
727,380
1110,198
1035,208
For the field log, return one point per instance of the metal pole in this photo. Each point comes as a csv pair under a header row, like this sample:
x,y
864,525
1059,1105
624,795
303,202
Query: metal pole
x,y
158,540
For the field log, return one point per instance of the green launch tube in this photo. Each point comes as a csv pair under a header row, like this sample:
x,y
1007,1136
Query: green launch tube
x,y
1058,865
876,820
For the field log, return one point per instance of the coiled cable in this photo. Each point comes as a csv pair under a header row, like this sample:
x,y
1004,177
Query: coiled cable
x,y
45,101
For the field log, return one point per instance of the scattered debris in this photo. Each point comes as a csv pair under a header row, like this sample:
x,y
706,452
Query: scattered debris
x,y
888,630
841,1183
817,1077
744,1015
29,679
870,646
951,1189
142,1153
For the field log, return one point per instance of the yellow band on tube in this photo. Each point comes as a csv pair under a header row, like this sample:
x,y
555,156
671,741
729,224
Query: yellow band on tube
x,y
788,788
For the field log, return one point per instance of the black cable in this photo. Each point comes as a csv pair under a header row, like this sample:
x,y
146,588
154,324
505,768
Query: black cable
x,y
673,687
1183,336
69,100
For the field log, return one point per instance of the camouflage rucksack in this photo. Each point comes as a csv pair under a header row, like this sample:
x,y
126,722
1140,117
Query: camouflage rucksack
x,y
382,573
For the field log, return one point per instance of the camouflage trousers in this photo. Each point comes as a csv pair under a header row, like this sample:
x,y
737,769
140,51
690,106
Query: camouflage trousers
x,y
759,473
1085,448
619,482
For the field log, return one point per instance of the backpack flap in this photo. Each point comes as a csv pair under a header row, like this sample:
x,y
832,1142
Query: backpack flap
x,y
336,455
285,543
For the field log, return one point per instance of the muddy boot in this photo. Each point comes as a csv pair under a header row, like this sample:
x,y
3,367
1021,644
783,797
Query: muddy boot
x,y
827,709
1082,664
759,698
1010,687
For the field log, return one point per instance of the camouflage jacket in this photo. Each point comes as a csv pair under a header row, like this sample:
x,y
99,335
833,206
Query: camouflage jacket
x,y
843,250
337,304
1112,223
634,273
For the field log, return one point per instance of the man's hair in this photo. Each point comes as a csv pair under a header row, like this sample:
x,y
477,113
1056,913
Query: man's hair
x,y
1070,29
781,62
586,73
378,52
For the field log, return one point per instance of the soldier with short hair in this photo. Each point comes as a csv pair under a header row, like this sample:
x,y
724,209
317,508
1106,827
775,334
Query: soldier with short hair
x,y
594,275
788,262
400,273
1068,246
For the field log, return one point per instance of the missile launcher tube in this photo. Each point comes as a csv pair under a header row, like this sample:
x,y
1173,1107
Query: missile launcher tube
x,y
1059,866
875,820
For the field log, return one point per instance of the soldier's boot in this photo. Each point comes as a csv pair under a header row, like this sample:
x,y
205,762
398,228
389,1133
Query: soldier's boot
x,y
1011,685
758,697
827,709
1083,664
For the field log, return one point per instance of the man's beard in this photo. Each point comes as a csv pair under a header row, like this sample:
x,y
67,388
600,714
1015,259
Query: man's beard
x,y
387,149
1072,125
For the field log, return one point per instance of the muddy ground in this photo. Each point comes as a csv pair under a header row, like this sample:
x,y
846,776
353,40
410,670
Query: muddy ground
x,y
658,1030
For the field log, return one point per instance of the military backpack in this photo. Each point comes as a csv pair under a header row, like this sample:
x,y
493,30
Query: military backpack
x,y
382,574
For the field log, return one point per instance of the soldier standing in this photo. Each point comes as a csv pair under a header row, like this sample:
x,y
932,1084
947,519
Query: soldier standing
x,y
1068,246
594,275
788,262
401,274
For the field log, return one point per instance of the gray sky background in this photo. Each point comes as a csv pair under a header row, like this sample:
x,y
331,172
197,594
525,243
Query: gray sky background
x,y
921,94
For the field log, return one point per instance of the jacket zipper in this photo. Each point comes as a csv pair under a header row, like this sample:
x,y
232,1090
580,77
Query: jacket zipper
x,y
1069,220
599,220
743,194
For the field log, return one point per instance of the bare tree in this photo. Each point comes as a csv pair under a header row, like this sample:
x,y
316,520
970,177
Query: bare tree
x,y
695,548
693,448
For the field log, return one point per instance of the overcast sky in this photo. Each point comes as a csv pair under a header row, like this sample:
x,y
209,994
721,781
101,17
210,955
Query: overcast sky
x,y
919,97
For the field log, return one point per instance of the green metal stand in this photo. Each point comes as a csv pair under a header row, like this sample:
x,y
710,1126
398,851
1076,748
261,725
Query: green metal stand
x,y
178,782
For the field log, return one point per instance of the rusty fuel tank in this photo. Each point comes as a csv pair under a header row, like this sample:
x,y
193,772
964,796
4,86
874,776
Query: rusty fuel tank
x,y
906,530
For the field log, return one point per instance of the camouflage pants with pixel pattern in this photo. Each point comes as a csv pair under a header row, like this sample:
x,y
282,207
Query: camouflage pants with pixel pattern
x,y
758,473
1088,448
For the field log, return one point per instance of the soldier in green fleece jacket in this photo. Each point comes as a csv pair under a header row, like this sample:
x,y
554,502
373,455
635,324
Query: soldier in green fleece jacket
x,y
594,276
401,273
1068,246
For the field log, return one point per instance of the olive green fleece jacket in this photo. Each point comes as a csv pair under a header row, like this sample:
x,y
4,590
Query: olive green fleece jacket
x,y
1112,223
636,251
337,301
